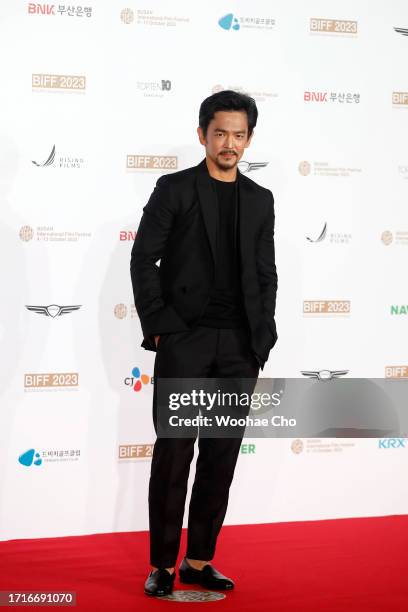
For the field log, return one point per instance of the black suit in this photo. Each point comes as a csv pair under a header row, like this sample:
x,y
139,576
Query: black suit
x,y
179,226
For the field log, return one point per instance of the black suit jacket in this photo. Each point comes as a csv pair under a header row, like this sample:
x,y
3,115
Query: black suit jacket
x,y
178,226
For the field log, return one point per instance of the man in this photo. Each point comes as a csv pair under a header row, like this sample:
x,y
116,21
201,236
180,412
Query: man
x,y
207,310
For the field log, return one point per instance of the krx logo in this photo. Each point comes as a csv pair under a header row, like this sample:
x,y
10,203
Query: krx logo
x,y
392,443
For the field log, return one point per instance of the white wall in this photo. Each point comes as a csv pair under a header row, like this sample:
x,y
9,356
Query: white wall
x,y
358,184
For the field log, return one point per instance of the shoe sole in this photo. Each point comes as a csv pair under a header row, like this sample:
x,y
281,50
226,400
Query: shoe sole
x,y
192,581
157,594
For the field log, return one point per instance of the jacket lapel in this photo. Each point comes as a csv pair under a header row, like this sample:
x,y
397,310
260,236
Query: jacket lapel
x,y
247,210
208,202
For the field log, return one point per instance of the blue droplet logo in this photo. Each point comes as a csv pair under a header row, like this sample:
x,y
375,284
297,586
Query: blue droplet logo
x,y
27,458
229,21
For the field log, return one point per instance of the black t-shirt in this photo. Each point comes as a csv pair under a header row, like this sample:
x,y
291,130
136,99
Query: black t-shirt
x,y
226,305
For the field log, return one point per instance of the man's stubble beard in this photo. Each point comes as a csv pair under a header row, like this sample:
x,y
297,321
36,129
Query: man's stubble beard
x,y
226,165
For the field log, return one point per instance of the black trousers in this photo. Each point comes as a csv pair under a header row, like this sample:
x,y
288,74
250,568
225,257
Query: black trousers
x,y
201,352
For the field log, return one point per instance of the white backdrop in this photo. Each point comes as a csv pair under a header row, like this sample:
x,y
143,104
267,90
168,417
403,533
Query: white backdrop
x,y
96,102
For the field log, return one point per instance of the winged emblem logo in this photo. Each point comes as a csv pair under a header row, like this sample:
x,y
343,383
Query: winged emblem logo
x,y
53,310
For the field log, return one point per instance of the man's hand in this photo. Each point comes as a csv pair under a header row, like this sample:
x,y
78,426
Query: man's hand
x,y
156,339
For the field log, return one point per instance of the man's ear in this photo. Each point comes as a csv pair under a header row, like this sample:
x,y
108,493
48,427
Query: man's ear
x,y
248,142
201,136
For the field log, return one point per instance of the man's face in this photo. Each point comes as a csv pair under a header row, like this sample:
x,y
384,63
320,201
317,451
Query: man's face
x,y
226,138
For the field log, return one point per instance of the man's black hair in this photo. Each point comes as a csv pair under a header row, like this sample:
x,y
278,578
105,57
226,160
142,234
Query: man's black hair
x,y
227,100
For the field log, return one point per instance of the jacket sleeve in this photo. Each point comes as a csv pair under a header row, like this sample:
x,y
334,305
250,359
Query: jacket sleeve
x,y
267,275
156,317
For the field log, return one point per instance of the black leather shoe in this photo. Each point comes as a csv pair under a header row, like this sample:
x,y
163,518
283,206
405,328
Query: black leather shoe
x,y
208,577
159,582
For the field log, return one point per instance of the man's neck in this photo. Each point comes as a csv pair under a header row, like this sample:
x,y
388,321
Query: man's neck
x,y
214,171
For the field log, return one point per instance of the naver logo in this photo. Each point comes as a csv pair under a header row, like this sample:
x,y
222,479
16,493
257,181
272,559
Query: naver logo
x,y
392,443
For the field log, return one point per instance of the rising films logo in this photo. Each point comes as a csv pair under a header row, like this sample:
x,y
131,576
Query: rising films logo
x,y
321,236
48,162
65,161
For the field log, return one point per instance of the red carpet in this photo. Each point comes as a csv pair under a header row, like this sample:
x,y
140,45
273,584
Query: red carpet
x,y
334,565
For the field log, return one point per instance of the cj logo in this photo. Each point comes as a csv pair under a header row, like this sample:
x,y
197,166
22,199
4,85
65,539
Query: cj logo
x,y
228,22
29,458
137,379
